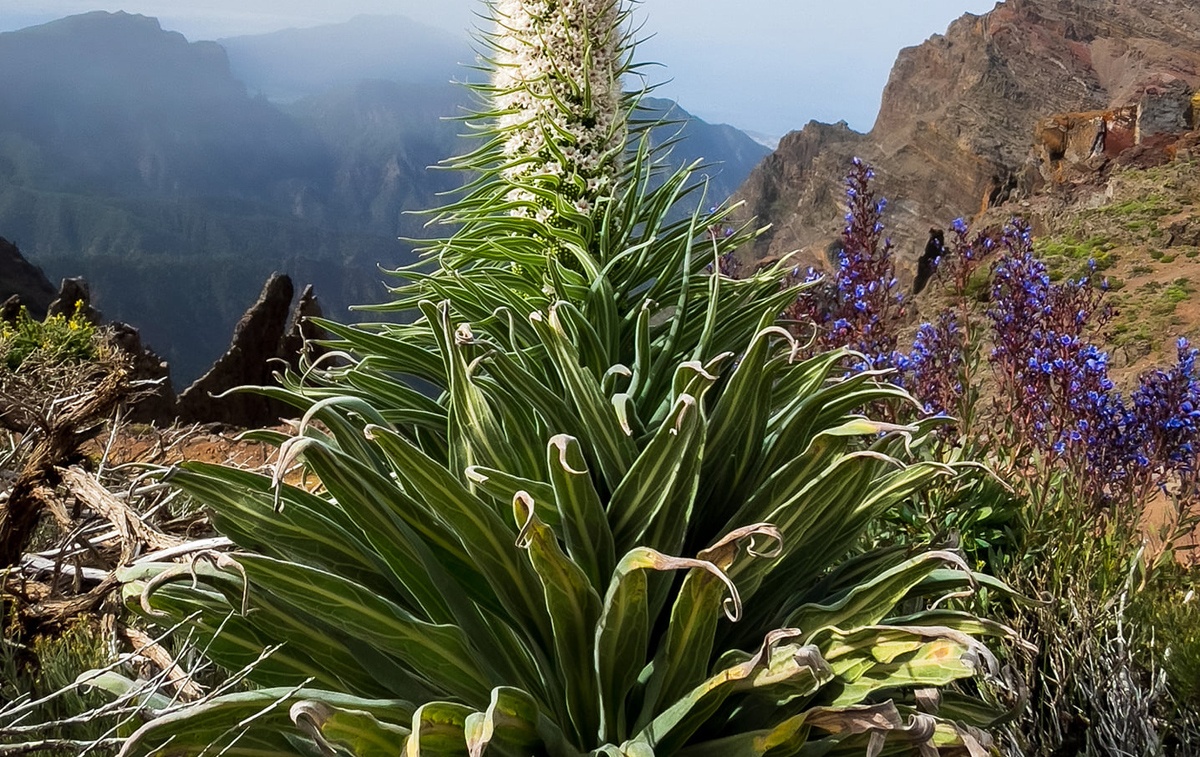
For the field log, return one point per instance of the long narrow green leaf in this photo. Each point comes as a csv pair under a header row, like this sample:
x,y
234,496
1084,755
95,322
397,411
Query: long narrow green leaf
x,y
482,533
439,653
235,642
622,638
416,548
514,726
736,428
869,603
663,467
574,608
586,531
684,656
613,449
360,339
210,727
502,486
475,426
357,731
777,666
438,730
243,508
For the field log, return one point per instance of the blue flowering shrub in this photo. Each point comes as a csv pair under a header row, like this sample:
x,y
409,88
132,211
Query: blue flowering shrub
x,y
1078,462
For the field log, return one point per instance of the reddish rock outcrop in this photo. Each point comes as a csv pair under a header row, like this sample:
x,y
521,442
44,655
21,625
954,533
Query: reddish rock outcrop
x,y
960,113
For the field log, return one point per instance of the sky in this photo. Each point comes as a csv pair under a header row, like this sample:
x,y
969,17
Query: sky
x,y
765,66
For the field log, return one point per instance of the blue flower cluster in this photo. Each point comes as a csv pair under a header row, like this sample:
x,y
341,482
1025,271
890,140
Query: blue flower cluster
x,y
933,370
1053,381
964,255
1053,393
1055,390
1153,437
859,305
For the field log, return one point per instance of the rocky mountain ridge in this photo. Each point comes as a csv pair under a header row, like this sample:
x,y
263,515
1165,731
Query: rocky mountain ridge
x,y
956,126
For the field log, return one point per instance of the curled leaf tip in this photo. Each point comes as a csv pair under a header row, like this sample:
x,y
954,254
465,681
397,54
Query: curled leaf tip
x,y
562,443
219,560
289,452
309,717
689,403
725,550
522,499
463,334
699,368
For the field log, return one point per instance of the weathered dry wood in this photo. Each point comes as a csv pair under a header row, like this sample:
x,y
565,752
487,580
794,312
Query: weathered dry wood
x,y
19,518
142,644
65,424
68,746
56,612
36,565
187,548
133,530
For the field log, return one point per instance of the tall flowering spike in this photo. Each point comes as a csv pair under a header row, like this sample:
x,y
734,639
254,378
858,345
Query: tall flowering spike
x,y
557,100
860,306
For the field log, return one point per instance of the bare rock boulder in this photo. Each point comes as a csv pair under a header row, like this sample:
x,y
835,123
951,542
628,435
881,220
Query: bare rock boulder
x,y
153,397
301,330
74,298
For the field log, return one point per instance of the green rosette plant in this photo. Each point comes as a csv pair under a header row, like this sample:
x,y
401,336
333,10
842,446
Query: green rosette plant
x,y
589,501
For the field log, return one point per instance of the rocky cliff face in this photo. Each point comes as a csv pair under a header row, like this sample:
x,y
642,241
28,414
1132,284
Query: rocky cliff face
x,y
958,117
23,280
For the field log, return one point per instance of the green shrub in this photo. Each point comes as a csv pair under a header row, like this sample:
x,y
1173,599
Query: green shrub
x,y
58,339
1171,607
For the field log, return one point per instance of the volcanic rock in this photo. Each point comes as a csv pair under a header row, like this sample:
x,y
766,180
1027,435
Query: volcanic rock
x,y
301,331
74,299
256,342
153,399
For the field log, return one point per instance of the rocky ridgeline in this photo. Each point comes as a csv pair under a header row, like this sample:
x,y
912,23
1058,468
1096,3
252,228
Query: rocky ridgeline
x,y
986,113
272,333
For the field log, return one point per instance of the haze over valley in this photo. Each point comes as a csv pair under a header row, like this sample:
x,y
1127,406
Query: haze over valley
x,y
175,176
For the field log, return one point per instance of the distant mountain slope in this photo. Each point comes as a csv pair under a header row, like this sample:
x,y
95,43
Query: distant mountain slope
x,y
111,102
293,63
135,158
139,160
957,118
381,137
728,154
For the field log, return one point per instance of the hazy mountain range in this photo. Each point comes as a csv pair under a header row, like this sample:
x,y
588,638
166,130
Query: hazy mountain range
x,y
175,175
